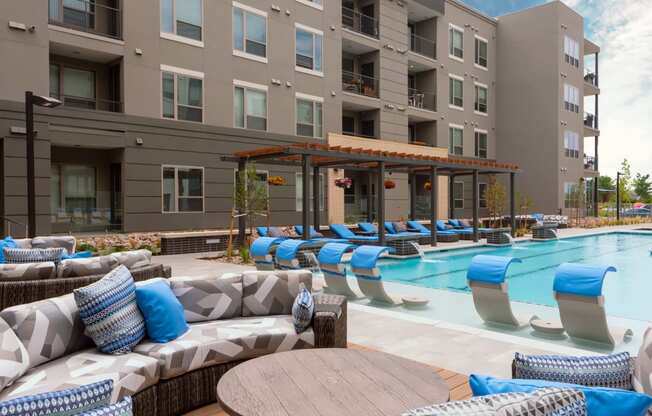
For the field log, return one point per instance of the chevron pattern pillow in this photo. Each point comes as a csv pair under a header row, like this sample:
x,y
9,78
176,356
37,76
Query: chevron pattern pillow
x,y
61,403
123,408
613,371
33,255
109,310
302,310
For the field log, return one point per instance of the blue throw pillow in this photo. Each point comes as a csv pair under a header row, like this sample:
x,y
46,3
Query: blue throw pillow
x,y
7,242
164,316
303,310
78,255
600,401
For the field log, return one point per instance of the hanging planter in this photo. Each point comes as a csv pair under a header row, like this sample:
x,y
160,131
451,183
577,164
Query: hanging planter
x,y
276,180
427,186
390,184
344,183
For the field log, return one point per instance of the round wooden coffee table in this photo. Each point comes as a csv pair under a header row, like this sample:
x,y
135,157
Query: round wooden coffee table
x,y
329,382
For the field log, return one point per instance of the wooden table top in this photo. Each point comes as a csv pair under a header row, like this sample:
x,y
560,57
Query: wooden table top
x,y
326,382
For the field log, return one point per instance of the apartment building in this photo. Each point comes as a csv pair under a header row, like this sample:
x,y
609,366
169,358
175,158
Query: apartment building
x,y
156,92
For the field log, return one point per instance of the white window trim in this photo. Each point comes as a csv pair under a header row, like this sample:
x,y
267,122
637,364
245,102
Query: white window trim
x,y
323,58
486,87
458,199
479,84
309,97
481,131
458,127
176,189
314,99
484,68
244,54
311,4
189,73
252,86
460,29
182,71
246,84
322,197
459,78
182,39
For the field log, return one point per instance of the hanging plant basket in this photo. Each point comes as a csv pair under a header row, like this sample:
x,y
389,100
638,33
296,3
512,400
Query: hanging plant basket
x,y
276,181
390,184
427,186
344,183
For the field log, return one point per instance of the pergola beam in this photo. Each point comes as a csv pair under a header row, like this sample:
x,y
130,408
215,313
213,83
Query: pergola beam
x,y
316,198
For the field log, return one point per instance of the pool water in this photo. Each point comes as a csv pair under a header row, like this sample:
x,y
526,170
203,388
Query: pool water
x,y
628,292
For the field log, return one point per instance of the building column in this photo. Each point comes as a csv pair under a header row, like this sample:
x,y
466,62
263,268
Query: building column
x,y
370,199
242,219
305,214
316,197
380,192
596,211
476,207
433,204
451,199
412,179
512,202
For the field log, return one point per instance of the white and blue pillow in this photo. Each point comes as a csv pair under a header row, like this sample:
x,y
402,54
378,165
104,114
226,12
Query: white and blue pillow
x,y
123,408
110,313
33,255
303,310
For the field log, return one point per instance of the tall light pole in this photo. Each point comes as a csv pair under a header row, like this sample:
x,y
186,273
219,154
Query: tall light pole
x,y
30,101
617,195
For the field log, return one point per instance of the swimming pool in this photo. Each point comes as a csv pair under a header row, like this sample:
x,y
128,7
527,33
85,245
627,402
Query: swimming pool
x,y
628,292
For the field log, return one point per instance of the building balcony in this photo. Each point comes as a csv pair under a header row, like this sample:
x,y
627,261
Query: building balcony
x,y
423,46
90,103
590,163
98,17
360,84
422,100
590,125
360,23
591,84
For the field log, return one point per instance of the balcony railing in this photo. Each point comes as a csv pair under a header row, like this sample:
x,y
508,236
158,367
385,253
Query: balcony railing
x,y
358,22
86,16
590,121
591,78
421,99
359,84
589,163
354,134
90,103
423,46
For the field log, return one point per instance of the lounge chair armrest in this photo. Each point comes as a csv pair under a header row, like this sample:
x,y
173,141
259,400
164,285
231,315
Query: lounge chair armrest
x,y
329,324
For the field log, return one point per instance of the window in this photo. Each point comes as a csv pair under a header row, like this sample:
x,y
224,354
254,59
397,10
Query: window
x,y
481,144
250,106
183,189
482,191
80,13
481,98
456,140
458,195
76,87
571,51
571,144
249,31
456,92
183,95
309,44
456,40
571,98
317,4
54,81
73,188
299,192
182,18
481,52
570,194
309,116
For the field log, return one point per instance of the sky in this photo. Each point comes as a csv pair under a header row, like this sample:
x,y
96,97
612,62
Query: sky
x,y
623,30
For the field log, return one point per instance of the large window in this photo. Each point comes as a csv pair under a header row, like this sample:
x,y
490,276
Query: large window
x,y
72,188
183,95
571,144
250,106
458,195
482,190
309,116
456,140
571,51
571,98
481,52
299,192
456,92
481,144
570,195
249,31
182,18
183,189
74,86
456,42
481,98
309,49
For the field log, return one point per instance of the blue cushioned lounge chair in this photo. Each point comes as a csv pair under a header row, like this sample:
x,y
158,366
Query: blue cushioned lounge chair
x,y
447,236
363,265
578,291
343,232
486,278
334,271
261,252
368,228
286,254
313,232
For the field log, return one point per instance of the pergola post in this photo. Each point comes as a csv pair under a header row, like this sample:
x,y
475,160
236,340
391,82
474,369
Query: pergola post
x,y
476,205
370,199
512,203
451,199
380,191
412,178
433,205
305,167
316,197
242,219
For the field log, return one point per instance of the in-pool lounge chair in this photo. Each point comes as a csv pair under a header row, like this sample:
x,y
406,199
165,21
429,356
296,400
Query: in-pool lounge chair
x,y
267,231
447,236
334,271
262,252
316,236
458,225
286,254
363,265
343,232
578,291
486,278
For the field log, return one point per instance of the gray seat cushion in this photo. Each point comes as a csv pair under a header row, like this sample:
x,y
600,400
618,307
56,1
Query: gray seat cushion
x,y
272,293
63,241
87,267
28,271
209,298
14,360
222,341
133,259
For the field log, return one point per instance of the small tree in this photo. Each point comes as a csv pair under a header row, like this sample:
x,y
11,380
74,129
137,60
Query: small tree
x,y
578,199
524,206
625,181
643,187
495,195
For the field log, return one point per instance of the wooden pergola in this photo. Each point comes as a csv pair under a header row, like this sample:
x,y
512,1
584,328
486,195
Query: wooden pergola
x,y
323,156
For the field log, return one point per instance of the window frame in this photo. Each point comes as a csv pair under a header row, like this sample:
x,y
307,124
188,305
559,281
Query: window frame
x,y
571,51
451,91
571,144
255,87
298,191
476,108
314,33
451,51
184,73
176,189
243,53
571,98
314,100
180,38
456,200
477,133
480,193
61,85
311,3
451,142
59,166
568,194
476,62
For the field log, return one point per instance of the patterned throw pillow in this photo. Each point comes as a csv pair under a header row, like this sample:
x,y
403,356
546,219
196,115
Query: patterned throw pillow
x,y
613,371
276,232
122,408
302,310
209,299
476,406
643,367
33,255
14,360
400,226
109,310
272,293
61,403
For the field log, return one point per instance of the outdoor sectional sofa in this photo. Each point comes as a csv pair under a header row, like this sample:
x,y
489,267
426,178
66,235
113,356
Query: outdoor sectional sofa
x,y
232,318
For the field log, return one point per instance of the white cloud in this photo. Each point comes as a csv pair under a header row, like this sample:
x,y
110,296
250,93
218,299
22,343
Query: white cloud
x,y
623,29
